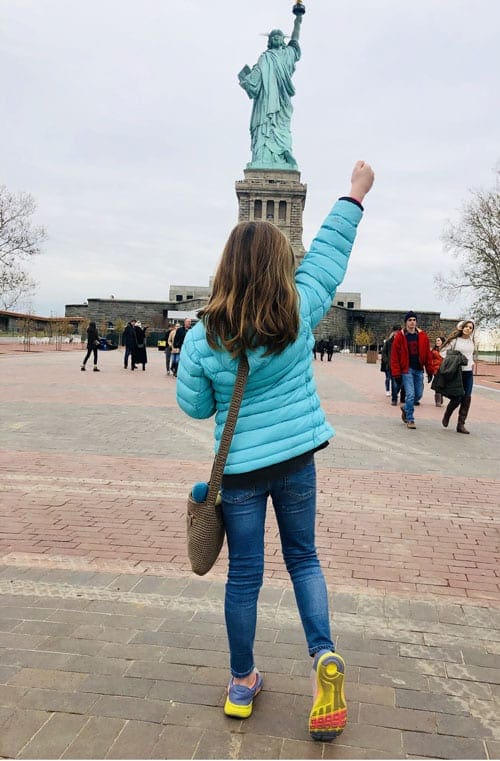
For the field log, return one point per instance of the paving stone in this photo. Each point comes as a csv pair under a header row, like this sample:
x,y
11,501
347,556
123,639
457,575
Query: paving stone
x,y
337,750
423,611
16,640
300,749
493,748
450,654
103,633
72,645
18,730
173,672
57,700
20,613
397,718
96,665
48,679
202,717
7,673
373,738
441,746
195,694
121,707
116,685
7,624
34,659
176,744
161,638
462,689
474,673
54,737
259,746
430,702
462,726
136,740
474,657
5,713
95,738
217,744
11,695
388,678
46,628
195,657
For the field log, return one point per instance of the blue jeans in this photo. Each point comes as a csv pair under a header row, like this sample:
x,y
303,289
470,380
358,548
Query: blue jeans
x,y
413,384
244,511
387,380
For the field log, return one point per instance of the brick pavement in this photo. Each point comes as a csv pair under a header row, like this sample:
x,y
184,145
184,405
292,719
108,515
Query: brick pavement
x,y
110,648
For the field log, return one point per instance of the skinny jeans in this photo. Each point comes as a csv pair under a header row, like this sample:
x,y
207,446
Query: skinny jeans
x,y
244,511
91,349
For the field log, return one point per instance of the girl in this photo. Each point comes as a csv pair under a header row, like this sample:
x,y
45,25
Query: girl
x,y
462,339
262,308
437,359
92,345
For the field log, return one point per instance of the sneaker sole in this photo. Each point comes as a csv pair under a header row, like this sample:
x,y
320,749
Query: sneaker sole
x,y
328,716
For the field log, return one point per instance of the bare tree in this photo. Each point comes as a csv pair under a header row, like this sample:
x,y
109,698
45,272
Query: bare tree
x,y
20,239
475,242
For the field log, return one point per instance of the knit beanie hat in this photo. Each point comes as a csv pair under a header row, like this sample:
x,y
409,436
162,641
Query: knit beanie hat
x,y
410,314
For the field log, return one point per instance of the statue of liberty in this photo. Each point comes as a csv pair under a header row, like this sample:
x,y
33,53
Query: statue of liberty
x,y
269,85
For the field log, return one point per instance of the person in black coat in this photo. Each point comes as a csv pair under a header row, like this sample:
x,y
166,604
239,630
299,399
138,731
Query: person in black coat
x,y
139,354
329,348
92,345
128,340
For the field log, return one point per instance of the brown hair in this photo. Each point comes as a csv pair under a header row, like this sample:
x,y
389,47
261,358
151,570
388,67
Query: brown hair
x,y
254,300
458,332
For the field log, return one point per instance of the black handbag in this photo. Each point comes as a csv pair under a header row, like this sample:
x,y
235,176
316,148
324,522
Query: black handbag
x,y
205,527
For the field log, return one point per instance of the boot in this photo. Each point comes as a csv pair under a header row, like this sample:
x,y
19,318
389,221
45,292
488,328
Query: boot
x,y
462,414
438,398
452,405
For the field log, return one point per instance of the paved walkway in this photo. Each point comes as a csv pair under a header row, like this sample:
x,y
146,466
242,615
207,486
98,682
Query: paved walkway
x,y
110,648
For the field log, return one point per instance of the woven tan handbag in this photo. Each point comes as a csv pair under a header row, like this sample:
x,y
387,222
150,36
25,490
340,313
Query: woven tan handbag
x,y
205,527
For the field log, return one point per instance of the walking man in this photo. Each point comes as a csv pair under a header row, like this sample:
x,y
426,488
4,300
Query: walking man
x,y
410,353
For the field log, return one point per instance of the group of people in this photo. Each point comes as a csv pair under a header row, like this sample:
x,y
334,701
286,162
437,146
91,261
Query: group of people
x,y
133,339
322,347
407,353
174,341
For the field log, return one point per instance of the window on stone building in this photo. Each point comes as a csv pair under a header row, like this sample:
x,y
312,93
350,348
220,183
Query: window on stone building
x,y
340,303
257,210
178,297
189,296
270,211
282,211
350,304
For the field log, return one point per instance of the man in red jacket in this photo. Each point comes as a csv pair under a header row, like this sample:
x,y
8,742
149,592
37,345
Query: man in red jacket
x,y
410,353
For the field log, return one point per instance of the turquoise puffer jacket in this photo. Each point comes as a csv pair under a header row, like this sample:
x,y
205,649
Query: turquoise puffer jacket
x,y
280,416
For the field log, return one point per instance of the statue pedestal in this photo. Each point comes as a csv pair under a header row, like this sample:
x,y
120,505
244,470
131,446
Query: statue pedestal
x,y
276,195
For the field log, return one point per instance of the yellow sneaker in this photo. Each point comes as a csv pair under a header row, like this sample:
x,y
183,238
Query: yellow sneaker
x,y
239,701
328,715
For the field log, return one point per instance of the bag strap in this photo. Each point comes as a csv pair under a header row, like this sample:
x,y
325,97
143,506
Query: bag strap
x,y
227,433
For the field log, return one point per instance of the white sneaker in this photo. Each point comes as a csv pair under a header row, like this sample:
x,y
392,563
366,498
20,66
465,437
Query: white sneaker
x,y
387,393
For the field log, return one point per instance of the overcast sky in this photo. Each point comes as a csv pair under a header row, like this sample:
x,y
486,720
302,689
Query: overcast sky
x,y
126,122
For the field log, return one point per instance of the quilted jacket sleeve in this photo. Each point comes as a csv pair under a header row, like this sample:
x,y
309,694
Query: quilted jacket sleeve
x,y
324,266
195,395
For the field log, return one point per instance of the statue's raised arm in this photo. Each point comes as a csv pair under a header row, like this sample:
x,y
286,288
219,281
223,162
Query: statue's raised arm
x,y
269,85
